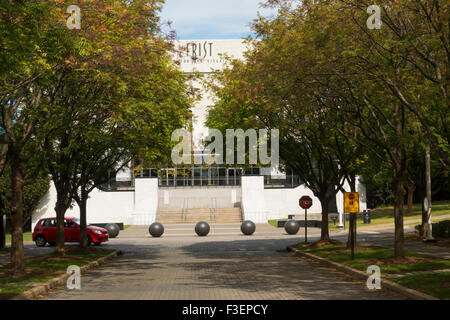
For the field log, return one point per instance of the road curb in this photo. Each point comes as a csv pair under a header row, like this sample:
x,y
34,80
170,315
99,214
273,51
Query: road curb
x,y
410,293
62,279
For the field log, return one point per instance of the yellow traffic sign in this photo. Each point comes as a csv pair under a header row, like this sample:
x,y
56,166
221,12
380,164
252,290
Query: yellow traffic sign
x,y
351,202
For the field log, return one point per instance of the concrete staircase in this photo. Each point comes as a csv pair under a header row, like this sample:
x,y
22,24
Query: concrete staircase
x,y
220,215
169,216
228,215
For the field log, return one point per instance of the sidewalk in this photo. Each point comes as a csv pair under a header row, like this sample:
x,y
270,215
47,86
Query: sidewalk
x,y
406,222
415,246
412,246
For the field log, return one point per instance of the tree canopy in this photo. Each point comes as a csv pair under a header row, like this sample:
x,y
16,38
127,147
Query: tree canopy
x,y
345,97
85,100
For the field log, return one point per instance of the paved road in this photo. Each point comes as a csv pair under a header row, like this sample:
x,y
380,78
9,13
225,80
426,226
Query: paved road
x,y
218,267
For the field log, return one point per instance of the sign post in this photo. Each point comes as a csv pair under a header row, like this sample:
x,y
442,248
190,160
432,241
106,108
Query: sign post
x,y
306,202
351,205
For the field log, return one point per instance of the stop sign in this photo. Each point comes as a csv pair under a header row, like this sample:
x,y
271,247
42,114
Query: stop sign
x,y
305,202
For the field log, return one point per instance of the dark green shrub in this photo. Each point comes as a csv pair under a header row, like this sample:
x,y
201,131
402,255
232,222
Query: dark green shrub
x,y
440,229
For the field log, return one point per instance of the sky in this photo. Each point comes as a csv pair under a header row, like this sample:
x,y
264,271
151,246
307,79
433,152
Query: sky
x,y
212,19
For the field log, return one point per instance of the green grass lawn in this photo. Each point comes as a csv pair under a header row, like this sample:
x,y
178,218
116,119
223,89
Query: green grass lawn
x,y
27,236
386,215
91,254
51,265
10,291
436,284
370,255
366,256
44,268
274,222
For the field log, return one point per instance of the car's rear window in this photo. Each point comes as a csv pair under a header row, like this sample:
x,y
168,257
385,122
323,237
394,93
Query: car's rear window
x,y
49,223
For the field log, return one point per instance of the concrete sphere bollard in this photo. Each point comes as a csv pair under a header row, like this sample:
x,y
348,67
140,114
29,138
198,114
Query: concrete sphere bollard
x,y
292,227
156,230
113,230
202,229
248,228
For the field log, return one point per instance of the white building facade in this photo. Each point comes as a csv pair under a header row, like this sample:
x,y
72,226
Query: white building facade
x,y
204,56
261,195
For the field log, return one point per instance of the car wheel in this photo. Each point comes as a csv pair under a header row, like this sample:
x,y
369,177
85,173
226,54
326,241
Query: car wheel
x,y
52,244
40,241
97,243
89,240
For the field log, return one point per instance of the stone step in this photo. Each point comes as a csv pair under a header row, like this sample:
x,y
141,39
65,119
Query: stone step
x,y
217,216
221,214
169,217
204,218
194,215
214,221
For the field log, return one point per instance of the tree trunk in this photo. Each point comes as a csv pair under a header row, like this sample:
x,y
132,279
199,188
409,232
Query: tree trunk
x,y
17,254
60,208
424,220
422,195
411,188
325,235
399,193
83,220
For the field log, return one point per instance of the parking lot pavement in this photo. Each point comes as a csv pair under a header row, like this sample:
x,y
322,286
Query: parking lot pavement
x,y
217,267
219,229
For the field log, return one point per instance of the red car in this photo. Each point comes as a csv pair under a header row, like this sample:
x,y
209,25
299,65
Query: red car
x,y
45,231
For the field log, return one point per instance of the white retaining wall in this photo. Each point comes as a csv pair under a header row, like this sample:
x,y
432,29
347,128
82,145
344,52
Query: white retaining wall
x,y
253,204
128,207
145,202
140,207
282,202
260,205
102,207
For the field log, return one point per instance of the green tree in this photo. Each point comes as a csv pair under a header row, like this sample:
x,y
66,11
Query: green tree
x,y
266,91
118,43
33,46
383,82
319,73
416,33
120,98
32,193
